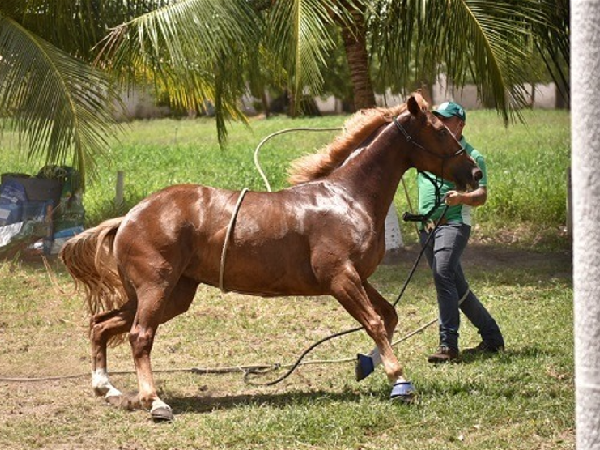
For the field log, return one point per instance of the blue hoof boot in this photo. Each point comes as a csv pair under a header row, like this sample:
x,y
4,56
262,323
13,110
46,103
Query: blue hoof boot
x,y
363,367
403,391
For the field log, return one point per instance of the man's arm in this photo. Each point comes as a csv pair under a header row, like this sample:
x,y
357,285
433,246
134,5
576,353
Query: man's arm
x,y
474,198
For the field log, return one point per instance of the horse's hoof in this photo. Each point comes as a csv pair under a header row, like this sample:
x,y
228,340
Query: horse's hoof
x,y
162,414
114,400
403,391
363,367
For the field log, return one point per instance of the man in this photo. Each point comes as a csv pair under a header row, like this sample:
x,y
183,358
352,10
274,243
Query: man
x,y
445,246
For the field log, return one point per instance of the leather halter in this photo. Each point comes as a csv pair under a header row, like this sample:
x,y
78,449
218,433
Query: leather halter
x,y
410,139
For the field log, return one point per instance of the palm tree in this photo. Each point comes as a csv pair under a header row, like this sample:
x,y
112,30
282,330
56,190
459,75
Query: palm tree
x,y
49,93
487,42
197,50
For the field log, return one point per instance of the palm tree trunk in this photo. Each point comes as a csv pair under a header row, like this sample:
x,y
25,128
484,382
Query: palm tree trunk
x,y
358,60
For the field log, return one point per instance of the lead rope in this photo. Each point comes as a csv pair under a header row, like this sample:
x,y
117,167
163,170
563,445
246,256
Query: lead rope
x,y
227,238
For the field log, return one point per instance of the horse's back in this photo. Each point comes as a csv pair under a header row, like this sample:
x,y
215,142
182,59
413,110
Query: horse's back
x,y
281,243
181,230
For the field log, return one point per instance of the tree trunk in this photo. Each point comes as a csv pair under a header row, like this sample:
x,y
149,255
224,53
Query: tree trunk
x,y
355,44
265,103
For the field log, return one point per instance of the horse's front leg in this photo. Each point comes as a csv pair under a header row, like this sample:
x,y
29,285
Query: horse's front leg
x,y
351,292
366,364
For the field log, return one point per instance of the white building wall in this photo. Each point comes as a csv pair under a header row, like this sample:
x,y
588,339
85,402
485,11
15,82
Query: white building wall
x,y
141,104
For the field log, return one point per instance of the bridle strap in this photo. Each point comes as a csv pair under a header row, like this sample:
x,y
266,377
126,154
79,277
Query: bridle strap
x,y
410,139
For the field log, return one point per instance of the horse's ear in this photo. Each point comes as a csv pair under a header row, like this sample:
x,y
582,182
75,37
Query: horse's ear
x,y
420,98
413,105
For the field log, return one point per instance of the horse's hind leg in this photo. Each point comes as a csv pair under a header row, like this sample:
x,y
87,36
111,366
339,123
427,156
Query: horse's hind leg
x,y
155,306
104,326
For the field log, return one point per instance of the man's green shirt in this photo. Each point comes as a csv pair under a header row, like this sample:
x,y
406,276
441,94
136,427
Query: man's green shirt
x,y
427,192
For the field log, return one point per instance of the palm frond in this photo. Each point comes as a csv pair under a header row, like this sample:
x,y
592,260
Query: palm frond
x,y
482,41
300,35
197,49
59,103
553,43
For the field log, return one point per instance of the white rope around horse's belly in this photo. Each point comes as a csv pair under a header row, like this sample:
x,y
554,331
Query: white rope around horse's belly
x,y
228,234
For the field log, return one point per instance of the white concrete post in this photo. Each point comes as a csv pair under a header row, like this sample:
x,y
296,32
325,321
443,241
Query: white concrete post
x,y
585,82
393,238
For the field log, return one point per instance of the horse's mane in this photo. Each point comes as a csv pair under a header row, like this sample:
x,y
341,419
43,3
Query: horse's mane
x,y
356,129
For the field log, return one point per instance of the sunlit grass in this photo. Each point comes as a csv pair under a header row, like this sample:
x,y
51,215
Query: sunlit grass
x,y
521,399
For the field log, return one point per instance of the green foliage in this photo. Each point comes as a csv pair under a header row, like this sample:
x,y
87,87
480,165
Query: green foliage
x,y
528,180
59,104
193,51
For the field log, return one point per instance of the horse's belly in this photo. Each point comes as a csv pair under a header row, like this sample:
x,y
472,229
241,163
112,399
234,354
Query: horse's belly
x,y
275,269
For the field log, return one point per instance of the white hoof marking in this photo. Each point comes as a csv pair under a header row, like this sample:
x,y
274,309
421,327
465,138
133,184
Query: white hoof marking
x,y
156,404
101,383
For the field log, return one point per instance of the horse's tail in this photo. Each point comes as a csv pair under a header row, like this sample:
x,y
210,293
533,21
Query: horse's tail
x,y
90,260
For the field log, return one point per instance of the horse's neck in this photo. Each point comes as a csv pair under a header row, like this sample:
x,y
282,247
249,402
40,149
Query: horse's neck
x,y
373,175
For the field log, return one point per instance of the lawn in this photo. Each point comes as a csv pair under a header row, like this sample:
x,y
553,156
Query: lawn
x,y
519,264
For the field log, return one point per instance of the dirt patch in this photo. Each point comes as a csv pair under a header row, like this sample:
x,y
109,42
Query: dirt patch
x,y
498,256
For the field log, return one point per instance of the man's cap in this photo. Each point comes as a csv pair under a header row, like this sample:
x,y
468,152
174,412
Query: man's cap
x,y
449,109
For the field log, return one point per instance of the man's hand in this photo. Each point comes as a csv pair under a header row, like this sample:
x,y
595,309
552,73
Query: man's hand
x,y
453,198
473,198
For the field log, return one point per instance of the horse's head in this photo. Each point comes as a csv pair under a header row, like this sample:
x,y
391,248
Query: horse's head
x,y
435,148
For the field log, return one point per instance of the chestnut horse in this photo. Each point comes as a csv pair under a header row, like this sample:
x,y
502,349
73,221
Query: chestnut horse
x,y
322,236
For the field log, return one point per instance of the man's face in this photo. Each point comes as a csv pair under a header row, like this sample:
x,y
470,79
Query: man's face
x,y
454,124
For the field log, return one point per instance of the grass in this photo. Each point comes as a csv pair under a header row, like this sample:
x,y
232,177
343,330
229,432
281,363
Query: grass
x,y
521,399
519,265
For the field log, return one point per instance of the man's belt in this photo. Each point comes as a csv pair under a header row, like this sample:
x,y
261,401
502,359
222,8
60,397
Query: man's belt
x,y
430,225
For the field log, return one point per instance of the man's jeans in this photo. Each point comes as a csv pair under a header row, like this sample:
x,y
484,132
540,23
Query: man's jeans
x,y
443,253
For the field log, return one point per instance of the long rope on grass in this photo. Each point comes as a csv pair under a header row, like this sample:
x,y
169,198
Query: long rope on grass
x,y
245,369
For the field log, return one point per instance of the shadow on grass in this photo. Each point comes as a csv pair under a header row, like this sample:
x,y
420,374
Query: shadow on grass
x,y
510,355
514,377
205,404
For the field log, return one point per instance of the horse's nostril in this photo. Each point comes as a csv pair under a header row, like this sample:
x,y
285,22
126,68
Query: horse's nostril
x,y
477,174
